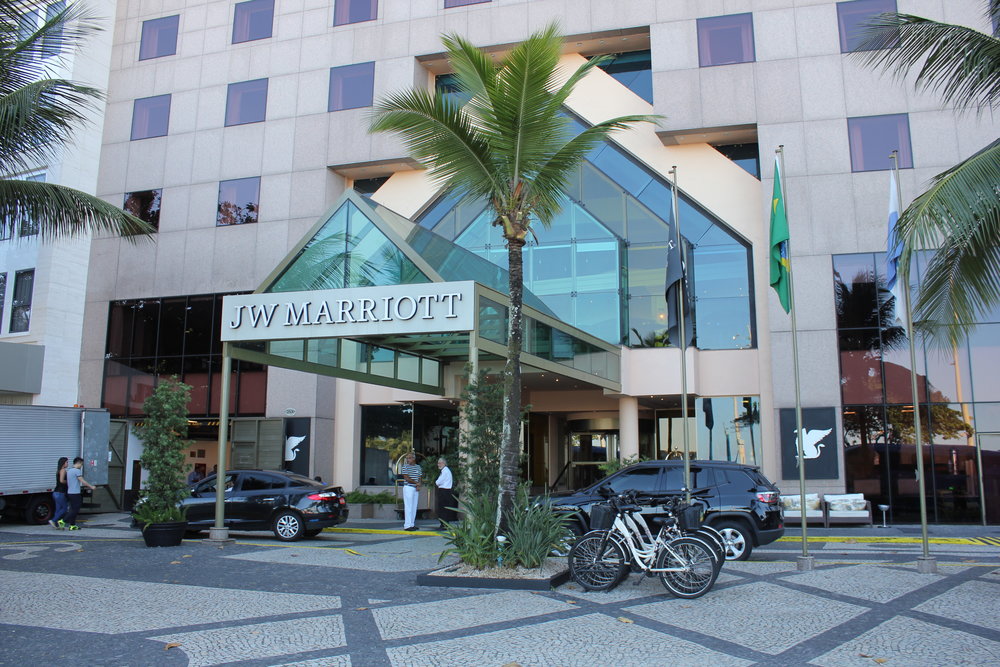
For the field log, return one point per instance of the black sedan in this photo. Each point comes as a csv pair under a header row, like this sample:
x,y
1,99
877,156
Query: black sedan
x,y
290,505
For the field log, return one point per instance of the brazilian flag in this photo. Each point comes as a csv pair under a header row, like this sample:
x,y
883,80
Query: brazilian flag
x,y
780,266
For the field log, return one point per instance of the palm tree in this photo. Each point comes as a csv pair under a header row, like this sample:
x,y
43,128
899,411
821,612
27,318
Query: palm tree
x,y
960,212
510,144
38,114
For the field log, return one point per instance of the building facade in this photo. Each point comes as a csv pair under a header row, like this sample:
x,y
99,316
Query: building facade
x,y
242,128
43,285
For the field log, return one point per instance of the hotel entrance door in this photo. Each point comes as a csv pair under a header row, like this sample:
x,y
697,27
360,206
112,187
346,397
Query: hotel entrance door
x,y
588,451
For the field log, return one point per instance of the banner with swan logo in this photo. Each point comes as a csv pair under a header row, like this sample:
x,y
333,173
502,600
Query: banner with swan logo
x,y
819,443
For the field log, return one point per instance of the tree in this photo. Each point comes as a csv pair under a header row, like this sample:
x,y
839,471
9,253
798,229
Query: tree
x,y
38,115
510,144
164,434
960,212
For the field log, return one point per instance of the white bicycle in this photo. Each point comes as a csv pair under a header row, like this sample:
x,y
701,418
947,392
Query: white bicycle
x,y
687,564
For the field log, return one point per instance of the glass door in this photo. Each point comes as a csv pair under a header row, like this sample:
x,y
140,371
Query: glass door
x,y
988,446
588,451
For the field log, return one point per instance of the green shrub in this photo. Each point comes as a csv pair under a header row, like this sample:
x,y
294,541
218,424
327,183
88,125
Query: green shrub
x,y
363,497
164,435
533,531
472,539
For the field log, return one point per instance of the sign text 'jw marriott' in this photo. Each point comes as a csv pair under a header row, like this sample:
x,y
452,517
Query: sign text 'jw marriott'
x,y
360,311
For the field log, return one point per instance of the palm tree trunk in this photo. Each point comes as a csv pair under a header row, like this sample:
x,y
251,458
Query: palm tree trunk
x,y
510,450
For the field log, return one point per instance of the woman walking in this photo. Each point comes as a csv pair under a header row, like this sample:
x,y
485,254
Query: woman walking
x,y
59,494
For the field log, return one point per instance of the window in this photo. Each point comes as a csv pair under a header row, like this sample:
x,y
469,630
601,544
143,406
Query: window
x,y
238,201
159,37
256,481
355,11
634,71
351,86
150,117
448,4
246,102
746,156
252,20
725,40
642,480
52,44
27,25
20,311
145,205
873,138
3,292
851,17
30,227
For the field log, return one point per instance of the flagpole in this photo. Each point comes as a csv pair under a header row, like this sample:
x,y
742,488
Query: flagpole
x,y
805,561
926,564
682,327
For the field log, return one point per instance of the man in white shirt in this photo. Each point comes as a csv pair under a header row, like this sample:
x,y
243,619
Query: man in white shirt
x,y
445,493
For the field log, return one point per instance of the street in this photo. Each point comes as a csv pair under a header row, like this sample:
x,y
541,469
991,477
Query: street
x,y
100,597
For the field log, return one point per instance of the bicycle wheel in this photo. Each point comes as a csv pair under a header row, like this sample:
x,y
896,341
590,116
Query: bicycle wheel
x,y
696,571
714,542
597,562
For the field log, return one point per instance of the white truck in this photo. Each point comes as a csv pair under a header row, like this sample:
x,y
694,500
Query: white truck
x,y
32,438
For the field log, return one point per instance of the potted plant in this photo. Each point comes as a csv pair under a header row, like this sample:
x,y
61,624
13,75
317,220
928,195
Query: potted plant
x,y
164,433
364,505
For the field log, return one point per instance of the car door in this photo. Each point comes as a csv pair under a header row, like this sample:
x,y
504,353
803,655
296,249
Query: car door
x,y
258,495
201,504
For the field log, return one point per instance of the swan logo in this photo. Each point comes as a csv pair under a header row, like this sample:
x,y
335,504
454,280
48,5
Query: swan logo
x,y
812,442
292,444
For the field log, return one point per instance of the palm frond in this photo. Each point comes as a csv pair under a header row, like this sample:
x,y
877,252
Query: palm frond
x,y
438,134
960,215
959,63
60,211
39,117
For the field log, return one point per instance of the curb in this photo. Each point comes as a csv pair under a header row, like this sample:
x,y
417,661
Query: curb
x,y
483,582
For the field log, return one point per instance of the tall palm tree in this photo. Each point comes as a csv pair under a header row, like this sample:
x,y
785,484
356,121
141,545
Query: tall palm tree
x,y
38,114
510,144
960,212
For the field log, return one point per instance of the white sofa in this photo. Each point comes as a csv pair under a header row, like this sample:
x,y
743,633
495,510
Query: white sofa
x,y
793,509
846,508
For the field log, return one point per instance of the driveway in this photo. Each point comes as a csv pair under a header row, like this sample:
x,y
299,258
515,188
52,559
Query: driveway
x,y
100,597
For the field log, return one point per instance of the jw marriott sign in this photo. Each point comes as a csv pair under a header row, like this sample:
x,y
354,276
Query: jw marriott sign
x,y
360,311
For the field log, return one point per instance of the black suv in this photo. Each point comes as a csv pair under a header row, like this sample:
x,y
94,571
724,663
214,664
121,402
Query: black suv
x,y
742,504
291,505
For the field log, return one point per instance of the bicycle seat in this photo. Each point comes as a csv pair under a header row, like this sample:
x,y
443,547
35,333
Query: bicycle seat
x,y
663,521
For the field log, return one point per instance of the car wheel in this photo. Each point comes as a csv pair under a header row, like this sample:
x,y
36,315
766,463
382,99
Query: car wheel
x,y
39,510
736,538
193,534
313,532
288,526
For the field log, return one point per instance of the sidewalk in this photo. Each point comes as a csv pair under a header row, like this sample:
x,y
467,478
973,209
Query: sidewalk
x,y
349,598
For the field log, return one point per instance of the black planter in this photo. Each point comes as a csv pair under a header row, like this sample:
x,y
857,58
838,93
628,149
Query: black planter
x,y
164,534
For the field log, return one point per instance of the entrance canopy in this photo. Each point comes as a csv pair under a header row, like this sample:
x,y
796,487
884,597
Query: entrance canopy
x,y
370,296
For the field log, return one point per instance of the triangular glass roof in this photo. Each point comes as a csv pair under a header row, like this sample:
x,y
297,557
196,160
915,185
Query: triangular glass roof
x,y
363,244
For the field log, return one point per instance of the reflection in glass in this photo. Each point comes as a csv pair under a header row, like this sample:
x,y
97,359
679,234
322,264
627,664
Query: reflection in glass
x,y
239,201
728,428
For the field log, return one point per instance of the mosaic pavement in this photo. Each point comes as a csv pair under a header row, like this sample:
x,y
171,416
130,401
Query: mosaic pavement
x,y
102,598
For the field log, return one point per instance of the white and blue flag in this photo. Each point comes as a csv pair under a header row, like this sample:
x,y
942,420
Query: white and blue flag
x,y
893,250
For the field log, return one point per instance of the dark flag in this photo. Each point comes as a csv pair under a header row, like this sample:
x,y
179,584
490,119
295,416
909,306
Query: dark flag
x,y
676,277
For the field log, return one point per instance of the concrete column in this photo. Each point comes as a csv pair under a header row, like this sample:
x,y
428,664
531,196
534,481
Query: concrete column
x,y
628,429
346,433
